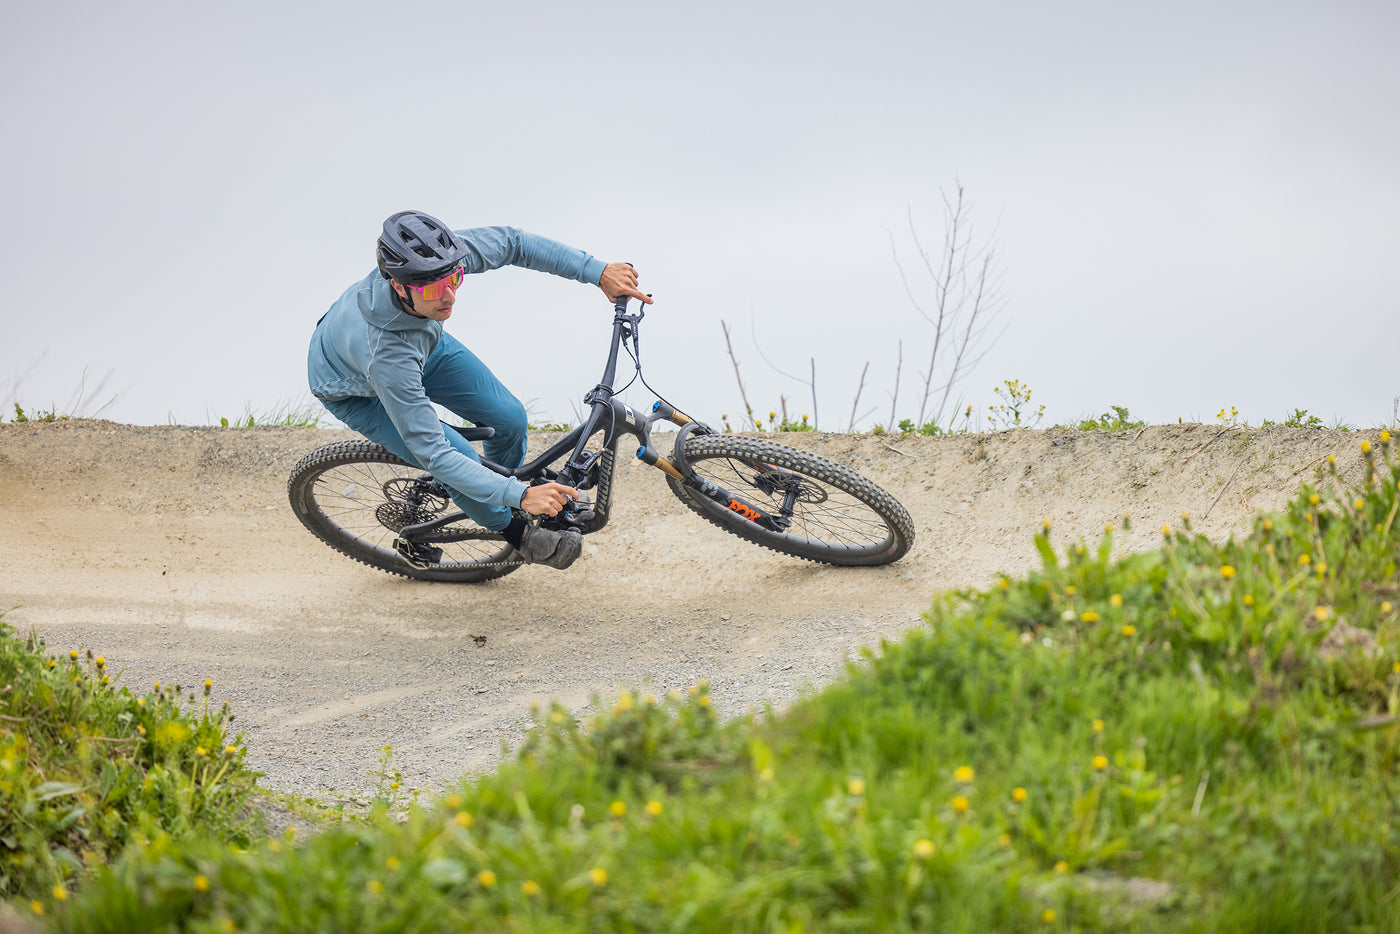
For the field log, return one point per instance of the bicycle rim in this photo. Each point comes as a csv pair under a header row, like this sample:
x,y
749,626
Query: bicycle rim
x,y
838,517
355,496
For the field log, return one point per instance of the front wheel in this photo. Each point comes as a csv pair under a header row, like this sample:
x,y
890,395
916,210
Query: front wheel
x,y
794,502
355,496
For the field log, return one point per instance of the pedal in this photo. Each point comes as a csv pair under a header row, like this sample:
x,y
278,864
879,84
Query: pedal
x,y
421,557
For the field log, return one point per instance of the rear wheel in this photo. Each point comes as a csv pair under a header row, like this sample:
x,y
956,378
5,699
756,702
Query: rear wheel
x,y
833,514
355,496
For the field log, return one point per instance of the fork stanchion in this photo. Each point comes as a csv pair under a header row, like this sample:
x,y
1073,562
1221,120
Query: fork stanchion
x,y
668,412
647,456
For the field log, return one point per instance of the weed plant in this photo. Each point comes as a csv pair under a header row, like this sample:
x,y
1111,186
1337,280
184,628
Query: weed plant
x,y
1205,737
1116,419
88,770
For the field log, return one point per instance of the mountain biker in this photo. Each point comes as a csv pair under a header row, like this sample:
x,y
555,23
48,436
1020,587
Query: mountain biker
x,y
380,358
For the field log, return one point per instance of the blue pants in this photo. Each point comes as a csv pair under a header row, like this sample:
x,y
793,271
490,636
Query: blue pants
x,y
457,380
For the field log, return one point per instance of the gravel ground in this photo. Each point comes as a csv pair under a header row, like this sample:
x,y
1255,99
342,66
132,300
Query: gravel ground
x,y
172,551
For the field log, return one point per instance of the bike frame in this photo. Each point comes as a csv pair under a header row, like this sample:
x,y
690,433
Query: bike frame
x,y
589,469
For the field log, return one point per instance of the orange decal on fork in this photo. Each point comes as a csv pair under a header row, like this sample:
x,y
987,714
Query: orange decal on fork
x,y
748,512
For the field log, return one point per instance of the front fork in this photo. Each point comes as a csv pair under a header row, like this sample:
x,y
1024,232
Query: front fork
x,y
680,469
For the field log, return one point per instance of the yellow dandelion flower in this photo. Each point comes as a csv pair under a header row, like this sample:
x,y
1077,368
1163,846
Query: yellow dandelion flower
x,y
1321,613
1226,571
1385,436
453,801
653,808
1166,530
1305,559
1019,794
230,750
1100,762
101,661
1365,447
557,717
486,877
1314,500
1045,526
1395,667
1004,840
855,786
598,876
1062,866
624,702
274,846
617,808
1268,525
766,775
73,654
1089,616
37,907
141,729
157,687
60,893
208,684
923,848
201,751
1048,916
960,804
1129,630
201,883
963,774
1386,607
106,680
530,888
704,700
1071,590
1097,726
463,819
1005,583
374,887
1358,503
1116,600
392,864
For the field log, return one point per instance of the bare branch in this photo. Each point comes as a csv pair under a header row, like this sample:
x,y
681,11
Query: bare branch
x,y
859,389
894,396
748,409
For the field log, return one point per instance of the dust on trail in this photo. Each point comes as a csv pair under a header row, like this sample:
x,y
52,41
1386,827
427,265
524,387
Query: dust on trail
x,y
172,551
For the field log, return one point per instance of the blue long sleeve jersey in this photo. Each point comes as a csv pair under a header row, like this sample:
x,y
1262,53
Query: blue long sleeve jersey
x,y
366,346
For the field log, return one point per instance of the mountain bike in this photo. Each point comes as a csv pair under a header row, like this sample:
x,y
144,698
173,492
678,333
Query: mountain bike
x,y
369,504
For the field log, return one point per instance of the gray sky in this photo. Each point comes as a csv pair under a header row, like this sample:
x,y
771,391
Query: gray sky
x,y
1194,203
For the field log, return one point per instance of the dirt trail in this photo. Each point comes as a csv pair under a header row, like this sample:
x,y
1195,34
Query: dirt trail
x,y
172,551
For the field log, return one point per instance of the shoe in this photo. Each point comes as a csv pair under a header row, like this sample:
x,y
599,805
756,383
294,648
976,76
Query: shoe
x,y
550,548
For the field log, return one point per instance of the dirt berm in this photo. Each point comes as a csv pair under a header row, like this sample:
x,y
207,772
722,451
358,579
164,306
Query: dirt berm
x,y
173,552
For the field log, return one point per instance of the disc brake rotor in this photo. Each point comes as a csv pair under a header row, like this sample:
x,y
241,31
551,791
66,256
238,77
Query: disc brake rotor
x,y
408,502
776,483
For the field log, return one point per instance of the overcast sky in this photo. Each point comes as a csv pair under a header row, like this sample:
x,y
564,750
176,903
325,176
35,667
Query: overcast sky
x,y
1194,204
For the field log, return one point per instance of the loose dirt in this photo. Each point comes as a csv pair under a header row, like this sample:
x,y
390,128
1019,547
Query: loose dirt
x,y
173,552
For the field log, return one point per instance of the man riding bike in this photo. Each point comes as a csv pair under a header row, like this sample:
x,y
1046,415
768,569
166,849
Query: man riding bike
x,y
380,358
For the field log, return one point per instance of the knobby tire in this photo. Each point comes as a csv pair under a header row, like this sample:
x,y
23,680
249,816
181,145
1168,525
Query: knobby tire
x,y
337,492
841,517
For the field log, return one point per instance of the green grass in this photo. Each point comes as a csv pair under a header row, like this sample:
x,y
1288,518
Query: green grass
x,y
1204,737
88,770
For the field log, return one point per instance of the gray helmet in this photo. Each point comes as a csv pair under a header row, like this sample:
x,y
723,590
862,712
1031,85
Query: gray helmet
x,y
417,248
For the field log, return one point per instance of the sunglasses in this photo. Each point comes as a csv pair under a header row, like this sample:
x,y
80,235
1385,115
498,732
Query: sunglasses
x,y
436,290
